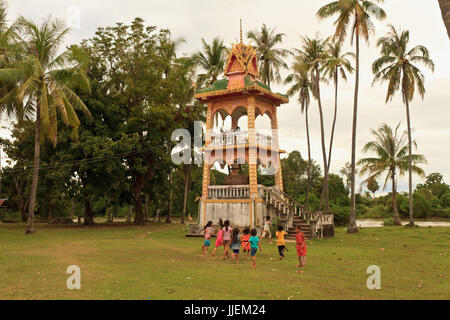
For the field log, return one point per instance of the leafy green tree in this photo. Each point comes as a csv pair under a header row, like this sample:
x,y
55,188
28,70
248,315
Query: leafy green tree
x,y
435,184
397,66
390,150
313,57
153,92
211,60
337,66
271,59
356,15
295,178
373,186
43,81
301,85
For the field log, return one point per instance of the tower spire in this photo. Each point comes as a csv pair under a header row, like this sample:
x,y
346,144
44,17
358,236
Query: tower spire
x,y
241,30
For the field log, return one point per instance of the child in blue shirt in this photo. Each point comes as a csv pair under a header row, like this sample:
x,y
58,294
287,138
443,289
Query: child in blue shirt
x,y
254,244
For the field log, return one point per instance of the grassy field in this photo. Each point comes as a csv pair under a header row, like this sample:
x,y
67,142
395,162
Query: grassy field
x,y
158,262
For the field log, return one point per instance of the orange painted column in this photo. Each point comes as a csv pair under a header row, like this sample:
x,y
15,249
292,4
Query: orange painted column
x,y
278,173
207,159
252,151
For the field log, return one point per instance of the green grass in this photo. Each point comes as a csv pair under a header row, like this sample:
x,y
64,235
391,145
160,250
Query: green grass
x,y
158,262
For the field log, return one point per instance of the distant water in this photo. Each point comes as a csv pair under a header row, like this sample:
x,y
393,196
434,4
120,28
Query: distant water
x,y
379,223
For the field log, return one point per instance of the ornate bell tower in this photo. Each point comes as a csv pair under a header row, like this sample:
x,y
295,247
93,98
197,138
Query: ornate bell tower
x,y
239,94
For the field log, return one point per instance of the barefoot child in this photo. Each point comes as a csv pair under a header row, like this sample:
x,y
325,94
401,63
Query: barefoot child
x,y
266,229
235,244
226,238
208,229
245,243
301,248
254,244
219,239
281,243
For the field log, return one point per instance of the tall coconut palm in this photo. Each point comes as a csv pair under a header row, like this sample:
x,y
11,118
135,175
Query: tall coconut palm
x,y
397,66
270,58
357,15
313,57
43,79
445,10
391,150
337,66
301,85
212,60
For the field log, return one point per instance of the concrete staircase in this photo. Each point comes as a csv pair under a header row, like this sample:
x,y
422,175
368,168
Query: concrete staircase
x,y
305,227
318,224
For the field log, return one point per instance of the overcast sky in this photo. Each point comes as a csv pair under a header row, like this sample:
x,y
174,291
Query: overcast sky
x,y
196,19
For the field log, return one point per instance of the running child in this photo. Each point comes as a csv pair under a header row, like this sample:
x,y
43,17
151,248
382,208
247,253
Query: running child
x,y
219,239
281,243
254,244
301,248
235,244
245,243
226,238
266,229
208,229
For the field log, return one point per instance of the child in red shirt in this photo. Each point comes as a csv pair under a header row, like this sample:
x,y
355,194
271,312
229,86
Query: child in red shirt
x,y
301,248
245,244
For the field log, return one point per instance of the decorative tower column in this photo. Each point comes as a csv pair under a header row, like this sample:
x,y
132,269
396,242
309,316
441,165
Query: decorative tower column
x,y
276,157
207,156
252,148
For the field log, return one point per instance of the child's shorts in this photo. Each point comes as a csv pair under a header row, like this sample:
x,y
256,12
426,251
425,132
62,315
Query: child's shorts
x,y
236,251
207,242
253,252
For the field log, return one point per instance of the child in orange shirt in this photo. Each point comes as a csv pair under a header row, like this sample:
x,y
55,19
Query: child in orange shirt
x,y
281,243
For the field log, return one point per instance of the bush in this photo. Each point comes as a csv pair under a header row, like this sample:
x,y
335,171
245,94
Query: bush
x,y
388,222
445,200
422,206
341,215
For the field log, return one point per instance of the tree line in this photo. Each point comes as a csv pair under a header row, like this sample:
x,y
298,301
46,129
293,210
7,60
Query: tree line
x,y
92,124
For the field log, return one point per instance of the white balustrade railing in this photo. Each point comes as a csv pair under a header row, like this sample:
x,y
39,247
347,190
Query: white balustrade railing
x,y
238,138
229,192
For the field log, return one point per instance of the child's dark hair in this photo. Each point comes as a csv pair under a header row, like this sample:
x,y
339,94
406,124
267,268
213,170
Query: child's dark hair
x,y
280,227
209,224
298,228
221,223
235,239
226,224
253,232
267,218
246,230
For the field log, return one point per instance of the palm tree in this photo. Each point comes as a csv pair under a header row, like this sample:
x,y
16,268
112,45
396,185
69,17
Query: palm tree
x,y
313,57
212,60
392,156
357,14
301,85
337,65
445,10
43,79
397,67
270,58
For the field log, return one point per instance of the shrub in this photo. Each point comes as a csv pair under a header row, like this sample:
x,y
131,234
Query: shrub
x,y
388,222
445,200
341,215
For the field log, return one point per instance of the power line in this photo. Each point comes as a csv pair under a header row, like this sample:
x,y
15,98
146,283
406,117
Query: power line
x,y
82,161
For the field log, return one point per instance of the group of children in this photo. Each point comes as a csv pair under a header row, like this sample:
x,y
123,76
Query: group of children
x,y
231,240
